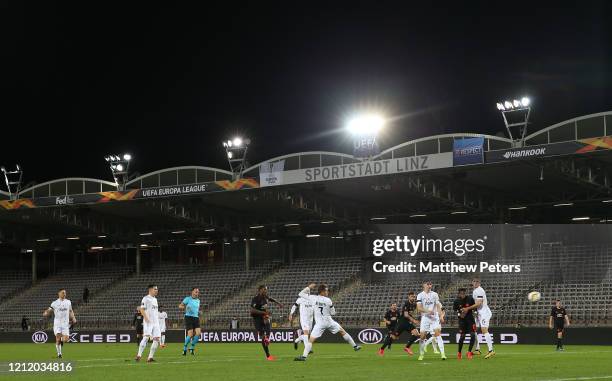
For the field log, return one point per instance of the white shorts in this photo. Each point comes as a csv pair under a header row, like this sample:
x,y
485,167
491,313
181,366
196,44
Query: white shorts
x,y
306,317
321,327
61,329
483,318
429,324
151,330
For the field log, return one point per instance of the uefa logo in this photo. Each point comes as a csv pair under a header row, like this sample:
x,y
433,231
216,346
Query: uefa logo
x,y
39,337
370,336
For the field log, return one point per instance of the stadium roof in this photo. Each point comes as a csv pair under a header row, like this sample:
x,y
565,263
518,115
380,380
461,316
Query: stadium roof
x,y
562,172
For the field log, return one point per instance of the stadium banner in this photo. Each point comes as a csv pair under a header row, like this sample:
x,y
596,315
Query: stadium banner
x,y
368,168
271,173
132,194
365,335
468,151
547,150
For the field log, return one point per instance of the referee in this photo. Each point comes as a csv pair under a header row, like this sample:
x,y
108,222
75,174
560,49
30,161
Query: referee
x,y
191,306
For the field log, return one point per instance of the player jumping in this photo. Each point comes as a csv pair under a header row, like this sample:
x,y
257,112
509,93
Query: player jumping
x,y
261,318
306,310
428,304
324,310
191,306
63,315
558,316
150,314
484,314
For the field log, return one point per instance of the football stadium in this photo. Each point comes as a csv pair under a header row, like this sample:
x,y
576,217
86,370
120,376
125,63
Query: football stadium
x,y
528,218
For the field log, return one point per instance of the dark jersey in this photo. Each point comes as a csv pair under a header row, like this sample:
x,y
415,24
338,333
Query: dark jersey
x,y
407,309
138,319
392,317
558,315
458,304
260,303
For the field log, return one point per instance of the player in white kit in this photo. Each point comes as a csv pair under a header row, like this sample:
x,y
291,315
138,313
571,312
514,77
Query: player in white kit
x,y
484,314
151,330
163,315
323,312
62,317
432,317
306,310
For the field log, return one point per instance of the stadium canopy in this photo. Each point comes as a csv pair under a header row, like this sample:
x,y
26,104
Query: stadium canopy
x,y
563,171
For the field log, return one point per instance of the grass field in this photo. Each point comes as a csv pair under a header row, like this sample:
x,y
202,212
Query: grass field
x,y
329,362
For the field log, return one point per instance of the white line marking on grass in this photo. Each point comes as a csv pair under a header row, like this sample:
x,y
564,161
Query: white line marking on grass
x,y
580,378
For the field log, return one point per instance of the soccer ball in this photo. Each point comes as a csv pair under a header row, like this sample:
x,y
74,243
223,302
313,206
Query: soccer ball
x,y
534,296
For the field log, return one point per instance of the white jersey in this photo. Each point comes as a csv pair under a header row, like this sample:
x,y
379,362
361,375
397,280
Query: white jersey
x,y
149,304
483,309
162,320
429,301
323,306
61,312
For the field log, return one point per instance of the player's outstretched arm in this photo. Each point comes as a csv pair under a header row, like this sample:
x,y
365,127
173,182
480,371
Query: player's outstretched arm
x,y
275,302
181,306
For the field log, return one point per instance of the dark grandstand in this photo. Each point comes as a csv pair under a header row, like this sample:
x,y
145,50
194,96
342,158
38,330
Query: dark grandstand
x,y
196,225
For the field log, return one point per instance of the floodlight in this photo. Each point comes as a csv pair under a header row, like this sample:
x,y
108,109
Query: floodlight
x,y
127,157
508,105
230,155
500,106
516,103
229,143
369,124
237,141
525,101
119,167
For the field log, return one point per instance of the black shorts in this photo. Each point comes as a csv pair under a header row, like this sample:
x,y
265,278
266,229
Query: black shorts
x,y
402,326
192,322
559,328
467,326
139,329
262,326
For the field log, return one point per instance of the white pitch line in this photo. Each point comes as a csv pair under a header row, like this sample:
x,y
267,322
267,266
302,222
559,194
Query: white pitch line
x,y
579,378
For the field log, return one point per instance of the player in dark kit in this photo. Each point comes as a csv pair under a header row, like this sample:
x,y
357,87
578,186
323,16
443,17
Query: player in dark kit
x,y
261,318
137,323
405,322
558,317
390,318
467,323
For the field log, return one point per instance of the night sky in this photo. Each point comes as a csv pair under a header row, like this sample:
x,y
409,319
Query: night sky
x,y
85,79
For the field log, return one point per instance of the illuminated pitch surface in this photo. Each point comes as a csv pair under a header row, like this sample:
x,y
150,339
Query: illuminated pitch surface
x,y
329,362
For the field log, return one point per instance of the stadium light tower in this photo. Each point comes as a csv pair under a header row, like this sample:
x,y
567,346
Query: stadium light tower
x,y
12,180
364,128
119,166
516,118
236,151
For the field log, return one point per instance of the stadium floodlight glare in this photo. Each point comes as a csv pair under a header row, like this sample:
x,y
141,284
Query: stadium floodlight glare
x,y
101,236
72,238
178,232
464,229
119,166
366,124
42,240
144,245
516,117
291,224
97,247
13,179
236,151
328,222
256,227
459,212
580,218
437,228
252,239
378,218
517,208
606,201
564,204
417,215
312,235
146,233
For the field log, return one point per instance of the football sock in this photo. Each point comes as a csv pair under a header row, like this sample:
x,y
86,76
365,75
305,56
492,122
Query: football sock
x,y
461,340
559,343
58,348
187,340
349,339
477,342
142,346
429,341
386,342
472,340
305,339
194,341
307,348
163,339
265,347
298,339
489,341
412,339
422,346
440,344
153,348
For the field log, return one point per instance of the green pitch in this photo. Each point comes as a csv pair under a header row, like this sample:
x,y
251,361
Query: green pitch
x,y
329,362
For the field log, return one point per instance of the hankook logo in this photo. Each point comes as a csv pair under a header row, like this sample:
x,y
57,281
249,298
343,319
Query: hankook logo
x,y
525,153
370,336
40,337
